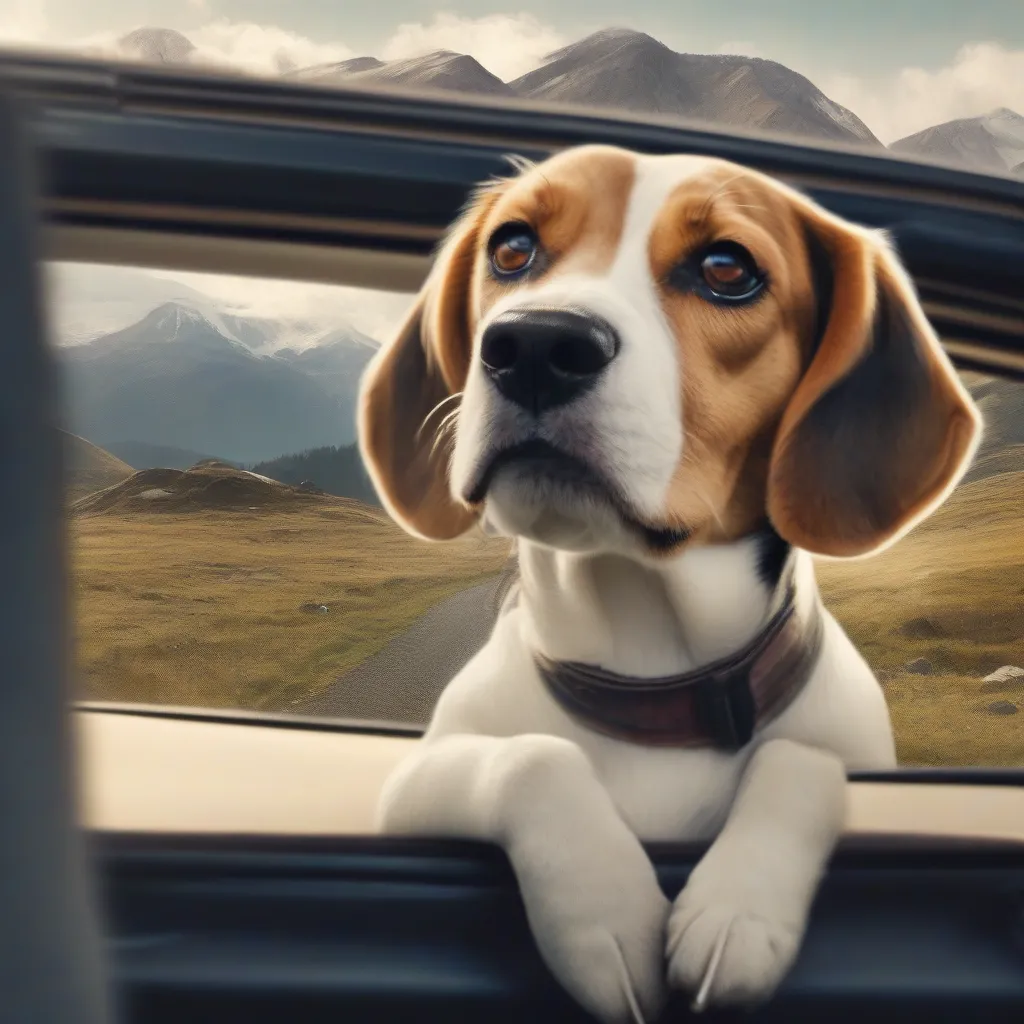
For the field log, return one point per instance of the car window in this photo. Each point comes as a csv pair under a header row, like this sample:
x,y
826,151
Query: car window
x,y
871,75
229,550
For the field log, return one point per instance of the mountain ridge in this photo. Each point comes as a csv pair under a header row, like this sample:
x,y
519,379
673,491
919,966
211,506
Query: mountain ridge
x,y
175,380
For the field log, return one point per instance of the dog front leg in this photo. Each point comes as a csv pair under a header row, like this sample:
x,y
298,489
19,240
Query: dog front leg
x,y
736,927
592,899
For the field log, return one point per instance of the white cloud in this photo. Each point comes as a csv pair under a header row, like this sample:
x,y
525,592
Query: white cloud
x,y
262,49
508,45
376,313
981,77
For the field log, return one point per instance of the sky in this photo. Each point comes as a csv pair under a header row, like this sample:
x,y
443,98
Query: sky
x,y
900,65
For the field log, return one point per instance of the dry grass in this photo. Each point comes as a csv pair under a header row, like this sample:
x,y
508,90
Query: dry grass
x,y
958,583
205,608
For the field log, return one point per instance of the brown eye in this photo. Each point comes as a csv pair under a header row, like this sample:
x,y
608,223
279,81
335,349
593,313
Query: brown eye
x,y
730,272
513,248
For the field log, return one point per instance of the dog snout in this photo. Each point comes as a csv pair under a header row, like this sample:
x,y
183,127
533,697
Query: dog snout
x,y
540,359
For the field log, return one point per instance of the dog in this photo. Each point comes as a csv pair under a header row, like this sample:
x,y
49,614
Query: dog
x,y
672,381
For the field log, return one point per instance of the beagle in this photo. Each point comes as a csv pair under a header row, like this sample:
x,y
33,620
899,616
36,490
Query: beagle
x,y
672,381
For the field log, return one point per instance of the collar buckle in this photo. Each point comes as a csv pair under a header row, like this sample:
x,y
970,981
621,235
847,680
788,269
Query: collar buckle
x,y
726,709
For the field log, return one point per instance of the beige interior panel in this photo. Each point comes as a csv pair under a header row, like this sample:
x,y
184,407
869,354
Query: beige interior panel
x,y
175,775
209,254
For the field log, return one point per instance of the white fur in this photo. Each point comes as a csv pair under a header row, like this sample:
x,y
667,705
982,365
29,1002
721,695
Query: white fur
x,y
502,762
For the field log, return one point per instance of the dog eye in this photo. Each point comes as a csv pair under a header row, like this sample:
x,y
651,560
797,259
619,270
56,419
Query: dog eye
x,y
730,272
513,249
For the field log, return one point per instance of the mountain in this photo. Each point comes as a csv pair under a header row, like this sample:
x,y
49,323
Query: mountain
x,y
326,73
88,469
336,361
442,69
992,142
632,71
175,379
157,46
616,68
92,300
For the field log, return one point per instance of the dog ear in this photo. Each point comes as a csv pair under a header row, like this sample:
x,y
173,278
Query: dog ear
x,y
879,429
403,391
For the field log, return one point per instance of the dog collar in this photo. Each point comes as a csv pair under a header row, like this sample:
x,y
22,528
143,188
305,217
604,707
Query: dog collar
x,y
720,705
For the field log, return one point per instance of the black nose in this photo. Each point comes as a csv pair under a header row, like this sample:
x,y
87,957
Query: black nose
x,y
542,358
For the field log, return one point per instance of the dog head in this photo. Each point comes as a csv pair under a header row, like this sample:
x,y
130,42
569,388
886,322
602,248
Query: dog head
x,y
616,352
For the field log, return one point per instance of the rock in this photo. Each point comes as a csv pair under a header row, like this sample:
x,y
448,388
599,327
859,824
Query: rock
x,y
1009,677
921,629
1002,707
1006,674
919,667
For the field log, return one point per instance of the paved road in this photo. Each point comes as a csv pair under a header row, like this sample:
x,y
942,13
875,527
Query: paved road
x,y
403,680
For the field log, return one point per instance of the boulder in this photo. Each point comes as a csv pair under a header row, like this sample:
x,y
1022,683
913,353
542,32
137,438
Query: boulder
x,y
919,667
1002,707
1009,677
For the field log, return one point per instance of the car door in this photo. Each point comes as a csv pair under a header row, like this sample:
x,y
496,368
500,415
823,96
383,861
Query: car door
x,y
239,878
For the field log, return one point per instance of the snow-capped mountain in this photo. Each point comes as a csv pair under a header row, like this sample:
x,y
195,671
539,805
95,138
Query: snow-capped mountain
x,y
992,142
177,378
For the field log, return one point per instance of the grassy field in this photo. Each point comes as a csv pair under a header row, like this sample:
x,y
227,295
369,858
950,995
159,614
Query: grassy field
x,y
951,592
206,608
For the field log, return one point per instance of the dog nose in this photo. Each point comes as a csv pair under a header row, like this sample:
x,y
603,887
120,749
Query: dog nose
x,y
540,359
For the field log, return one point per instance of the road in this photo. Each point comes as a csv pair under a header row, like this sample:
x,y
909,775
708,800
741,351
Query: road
x,y
403,680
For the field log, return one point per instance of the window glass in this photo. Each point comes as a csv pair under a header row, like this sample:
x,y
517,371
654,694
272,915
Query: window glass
x,y
229,550
939,85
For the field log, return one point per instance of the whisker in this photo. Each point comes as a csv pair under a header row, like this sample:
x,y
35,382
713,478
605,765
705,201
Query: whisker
x,y
440,405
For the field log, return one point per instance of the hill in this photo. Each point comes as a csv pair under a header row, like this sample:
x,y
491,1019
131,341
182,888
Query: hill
x,y
950,593
210,486
88,468
337,471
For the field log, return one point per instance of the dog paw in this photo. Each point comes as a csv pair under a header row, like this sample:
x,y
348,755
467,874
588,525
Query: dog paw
x,y
604,943
722,954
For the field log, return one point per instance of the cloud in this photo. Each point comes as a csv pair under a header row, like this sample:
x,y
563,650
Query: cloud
x,y
508,45
262,49
376,313
981,77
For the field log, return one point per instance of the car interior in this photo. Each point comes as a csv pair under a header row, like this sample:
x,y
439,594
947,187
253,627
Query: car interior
x,y
175,862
